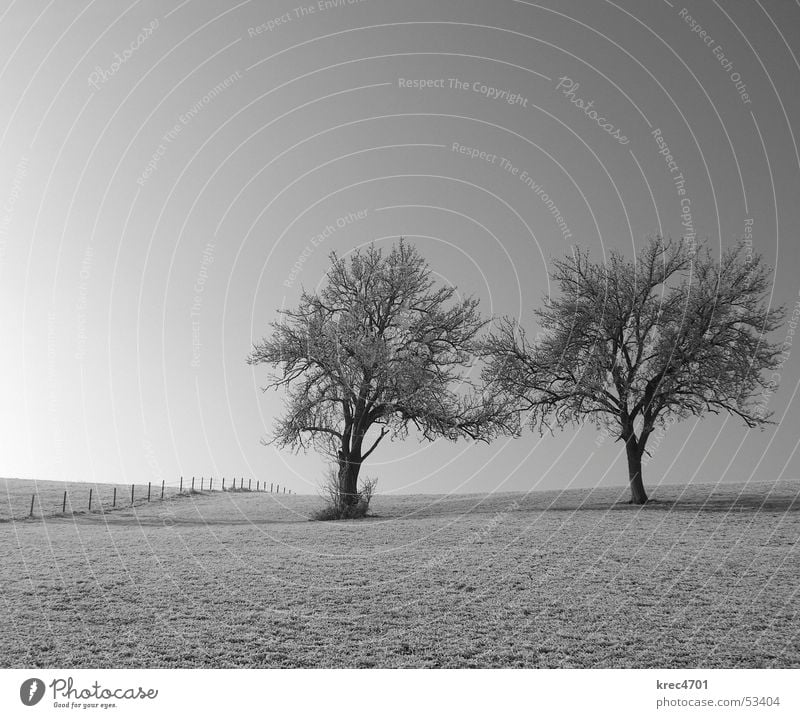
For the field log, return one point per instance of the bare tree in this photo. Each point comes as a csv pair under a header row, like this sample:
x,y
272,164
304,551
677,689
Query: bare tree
x,y
375,352
629,345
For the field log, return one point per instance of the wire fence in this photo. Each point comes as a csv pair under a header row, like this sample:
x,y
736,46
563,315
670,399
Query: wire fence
x,y
54,499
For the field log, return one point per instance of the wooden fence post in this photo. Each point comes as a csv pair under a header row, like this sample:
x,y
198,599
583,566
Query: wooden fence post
x,y
180,491
250,484
284,489
234,483
257,486
192,483
90,499
113,503
223,483
64,505
162,488
148,491
270,486
201,483
132,485
211,484
33,496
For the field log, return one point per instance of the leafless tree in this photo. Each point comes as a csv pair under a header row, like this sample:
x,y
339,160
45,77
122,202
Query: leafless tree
x,y
378,350
630,345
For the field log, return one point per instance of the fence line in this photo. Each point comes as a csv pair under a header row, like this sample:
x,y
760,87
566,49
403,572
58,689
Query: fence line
x,y
69,495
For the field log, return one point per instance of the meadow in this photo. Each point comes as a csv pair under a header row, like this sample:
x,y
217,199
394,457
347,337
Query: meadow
x,y
702,577
46,498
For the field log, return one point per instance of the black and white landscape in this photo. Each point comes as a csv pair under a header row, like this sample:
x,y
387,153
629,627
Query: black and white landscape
x,y
377,334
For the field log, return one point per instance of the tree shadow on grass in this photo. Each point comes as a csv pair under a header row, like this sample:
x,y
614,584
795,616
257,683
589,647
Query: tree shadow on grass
x,y
690,499
726,504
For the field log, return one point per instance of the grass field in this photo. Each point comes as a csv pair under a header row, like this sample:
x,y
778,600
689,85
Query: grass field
x,y
699,578
48,496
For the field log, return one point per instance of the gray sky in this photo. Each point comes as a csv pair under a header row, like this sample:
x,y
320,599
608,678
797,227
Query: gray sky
x,y
164,166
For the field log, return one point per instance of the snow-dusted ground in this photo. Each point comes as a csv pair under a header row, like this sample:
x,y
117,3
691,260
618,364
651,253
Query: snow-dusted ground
x,y
703,576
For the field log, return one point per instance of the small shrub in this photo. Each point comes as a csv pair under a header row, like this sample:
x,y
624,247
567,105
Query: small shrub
x,y
335,508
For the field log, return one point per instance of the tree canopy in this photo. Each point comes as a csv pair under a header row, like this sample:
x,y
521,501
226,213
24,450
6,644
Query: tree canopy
x,y
378,350
630,344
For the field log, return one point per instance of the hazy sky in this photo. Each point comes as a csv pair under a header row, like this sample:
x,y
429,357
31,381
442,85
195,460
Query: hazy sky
x,y
163,167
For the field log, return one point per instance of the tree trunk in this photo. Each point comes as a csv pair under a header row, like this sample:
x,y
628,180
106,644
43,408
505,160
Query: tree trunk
x,y
349,466
634,452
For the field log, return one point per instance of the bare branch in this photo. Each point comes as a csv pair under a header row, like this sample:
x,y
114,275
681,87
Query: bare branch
x,y
379,344
674,333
